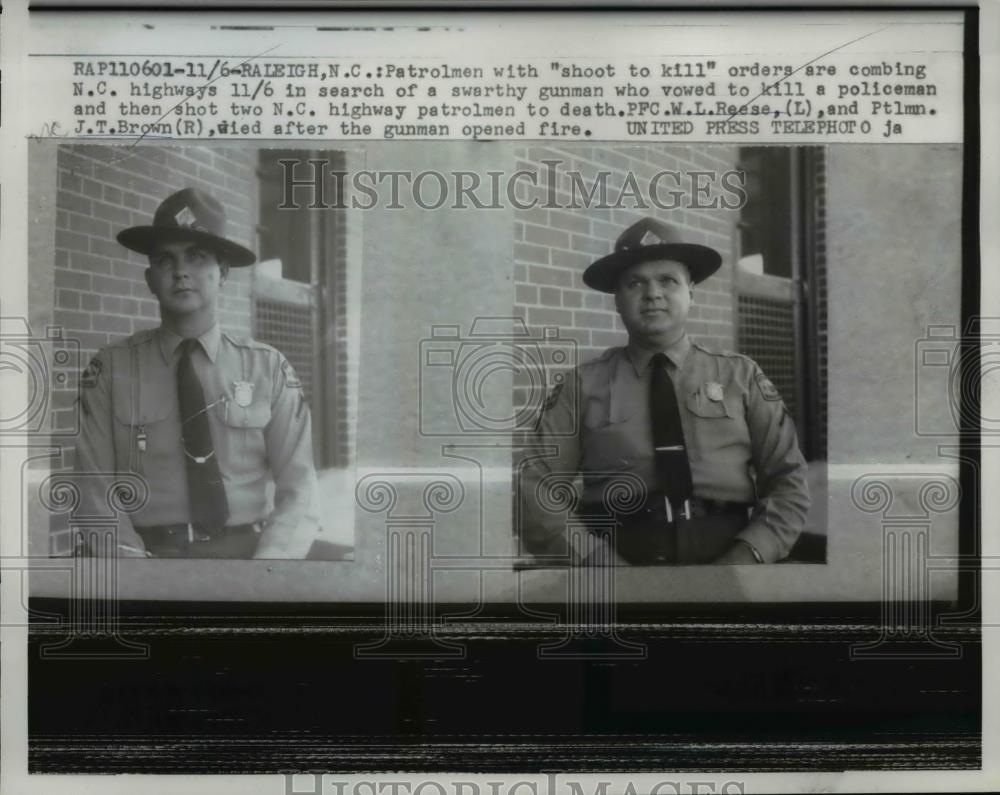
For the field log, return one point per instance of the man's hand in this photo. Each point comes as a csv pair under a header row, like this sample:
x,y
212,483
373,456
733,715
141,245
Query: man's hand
x,y
737,554
283,542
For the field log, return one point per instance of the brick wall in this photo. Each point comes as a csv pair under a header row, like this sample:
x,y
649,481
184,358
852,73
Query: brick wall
x,y
553,246
99,289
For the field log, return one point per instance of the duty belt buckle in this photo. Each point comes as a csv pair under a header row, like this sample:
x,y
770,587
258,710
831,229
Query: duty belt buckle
x,y
685,509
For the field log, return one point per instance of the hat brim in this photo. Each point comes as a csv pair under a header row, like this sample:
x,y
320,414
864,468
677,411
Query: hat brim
x,y
701,262
144,240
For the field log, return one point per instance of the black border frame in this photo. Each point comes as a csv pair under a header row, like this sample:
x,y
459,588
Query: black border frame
x,y
793,699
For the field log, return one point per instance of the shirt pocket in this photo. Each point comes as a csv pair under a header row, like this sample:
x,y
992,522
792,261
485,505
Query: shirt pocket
x,y
244,427
713,426
702,406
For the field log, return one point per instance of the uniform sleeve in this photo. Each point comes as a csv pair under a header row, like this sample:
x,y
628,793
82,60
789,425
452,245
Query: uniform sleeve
x,y
782,490
292,526
548,472
94,464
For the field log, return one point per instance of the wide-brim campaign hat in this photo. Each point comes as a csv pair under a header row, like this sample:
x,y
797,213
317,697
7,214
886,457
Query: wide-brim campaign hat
x,y
188,215
646,240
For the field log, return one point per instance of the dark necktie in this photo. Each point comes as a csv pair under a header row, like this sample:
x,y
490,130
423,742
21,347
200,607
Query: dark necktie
x,y
207,496
673,470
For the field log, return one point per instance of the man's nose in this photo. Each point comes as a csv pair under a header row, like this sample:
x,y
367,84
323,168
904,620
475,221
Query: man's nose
x,y
181,267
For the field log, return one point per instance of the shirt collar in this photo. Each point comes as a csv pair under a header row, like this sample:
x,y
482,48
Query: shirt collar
x,y
170,341
640,357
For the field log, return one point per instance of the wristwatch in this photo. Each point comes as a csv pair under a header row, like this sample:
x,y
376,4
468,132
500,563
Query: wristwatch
x,y
754,551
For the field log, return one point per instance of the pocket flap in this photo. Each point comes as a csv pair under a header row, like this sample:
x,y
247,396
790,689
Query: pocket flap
x,y
142,406
700,404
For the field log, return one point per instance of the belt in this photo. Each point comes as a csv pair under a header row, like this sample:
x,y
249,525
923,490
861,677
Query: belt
x,y
691,508
695,531
193,535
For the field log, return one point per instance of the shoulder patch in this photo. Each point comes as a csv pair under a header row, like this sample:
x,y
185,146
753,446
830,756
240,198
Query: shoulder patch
x,y
767,390
88,380
291,379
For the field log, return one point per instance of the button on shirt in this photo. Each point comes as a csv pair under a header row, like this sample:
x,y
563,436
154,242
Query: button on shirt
x,y
259,421
740,440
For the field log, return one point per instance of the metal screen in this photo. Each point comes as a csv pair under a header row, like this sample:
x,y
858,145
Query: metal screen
x,y
766,333
288,327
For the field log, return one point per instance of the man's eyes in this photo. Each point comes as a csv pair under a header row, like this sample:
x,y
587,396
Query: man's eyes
x,y
667,280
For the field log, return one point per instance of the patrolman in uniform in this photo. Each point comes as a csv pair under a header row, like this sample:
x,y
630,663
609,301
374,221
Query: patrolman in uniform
x,y
703,434
216,424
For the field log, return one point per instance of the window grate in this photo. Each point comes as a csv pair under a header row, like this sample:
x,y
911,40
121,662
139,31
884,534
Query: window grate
x,y
288,327
766,333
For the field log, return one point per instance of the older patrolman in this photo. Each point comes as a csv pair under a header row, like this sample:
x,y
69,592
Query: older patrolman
x,y
213,422
686,455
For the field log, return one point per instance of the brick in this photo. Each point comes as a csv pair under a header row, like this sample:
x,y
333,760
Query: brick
x,y
93,189
549,296
69,319
117,216
106,246
114,324
67,299
534,215
553,276
526,294
590,244
127,269
580,336
82,261
108,285
572,259
569,221
72,280
596,300
90,302
529,253
597,320
572,298
89,226
75,161
546,237
133,201
549,317
70,182
72,241
73,202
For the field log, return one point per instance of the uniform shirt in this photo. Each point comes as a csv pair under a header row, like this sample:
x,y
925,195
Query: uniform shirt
x,y
258,417
740,440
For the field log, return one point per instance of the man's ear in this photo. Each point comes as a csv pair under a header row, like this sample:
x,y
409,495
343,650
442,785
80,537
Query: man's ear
x,y
147,275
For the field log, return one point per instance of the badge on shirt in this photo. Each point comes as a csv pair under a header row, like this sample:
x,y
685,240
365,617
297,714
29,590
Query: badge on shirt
x,y
243,393
713,391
